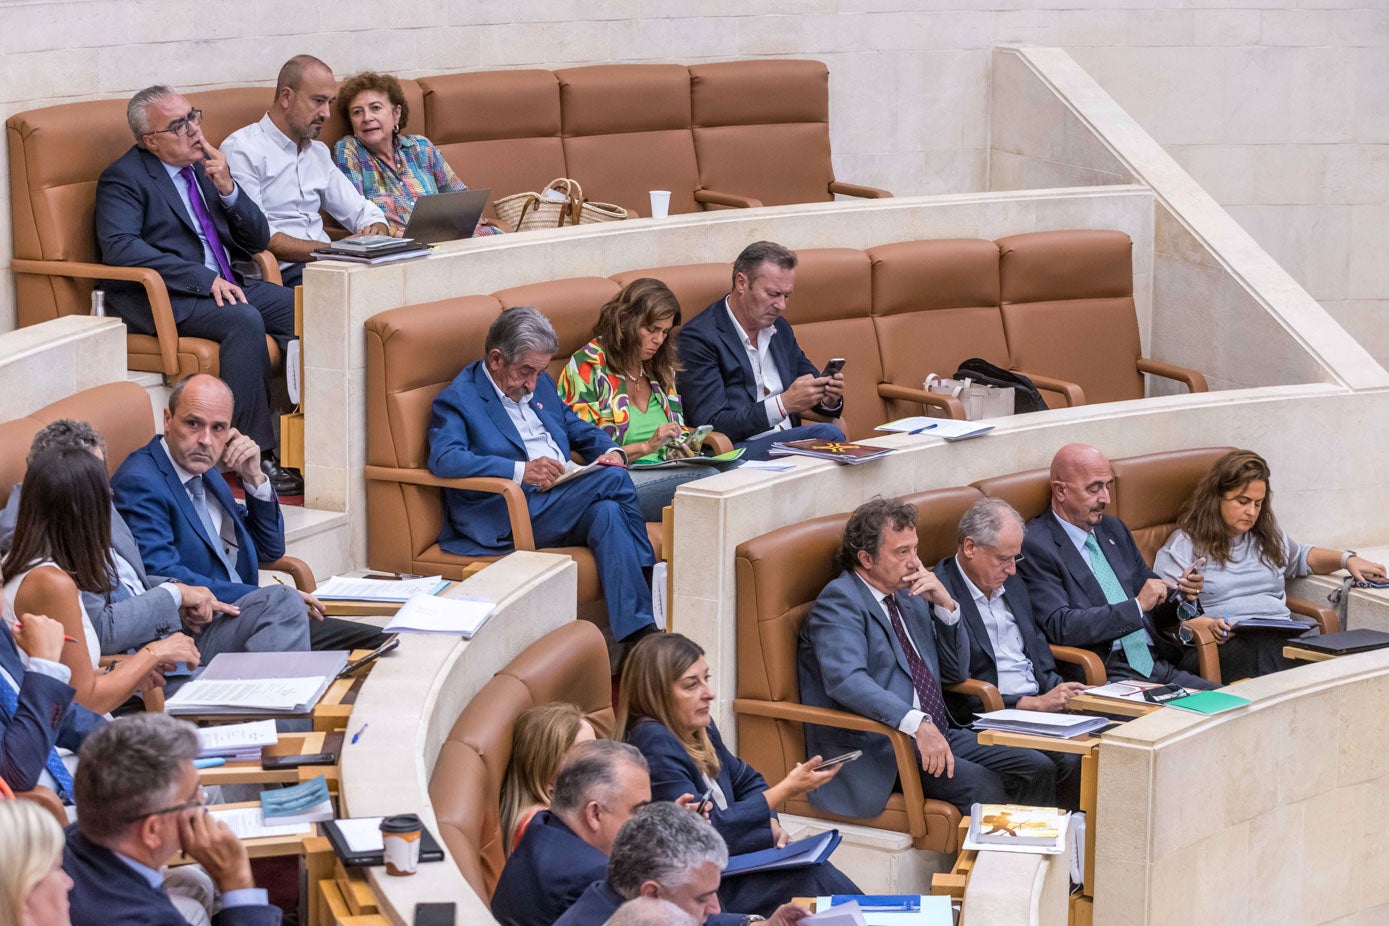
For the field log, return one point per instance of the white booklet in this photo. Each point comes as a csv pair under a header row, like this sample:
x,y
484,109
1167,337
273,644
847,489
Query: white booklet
x,y
249,823
237,739
347,588
431,614
947,428
245,694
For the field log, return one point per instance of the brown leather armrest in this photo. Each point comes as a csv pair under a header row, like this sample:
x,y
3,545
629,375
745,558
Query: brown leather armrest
x,y
1207,654
523,538
269,267
863,192
1091,666
1072,393
297,569
1325,617
719,443
48,800
715,198
1195,382
903,747
155,290
952,406
978,688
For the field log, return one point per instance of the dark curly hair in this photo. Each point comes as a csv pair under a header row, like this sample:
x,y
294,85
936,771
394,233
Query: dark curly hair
x,y
864,531
354,86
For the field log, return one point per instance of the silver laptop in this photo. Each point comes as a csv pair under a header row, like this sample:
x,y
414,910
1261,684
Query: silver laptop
x,y
442,217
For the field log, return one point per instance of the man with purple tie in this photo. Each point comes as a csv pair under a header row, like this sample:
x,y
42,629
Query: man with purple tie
x,y
170,204
879,642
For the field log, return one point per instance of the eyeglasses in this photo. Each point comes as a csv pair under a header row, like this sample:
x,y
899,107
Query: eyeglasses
x,y
199,800
181,126
1005,559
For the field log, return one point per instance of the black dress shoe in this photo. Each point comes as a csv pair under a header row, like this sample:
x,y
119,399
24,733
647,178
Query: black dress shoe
x,y
283,481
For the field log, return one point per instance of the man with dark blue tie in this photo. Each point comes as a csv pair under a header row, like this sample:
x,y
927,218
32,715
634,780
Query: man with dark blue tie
x,y
503,418
170,204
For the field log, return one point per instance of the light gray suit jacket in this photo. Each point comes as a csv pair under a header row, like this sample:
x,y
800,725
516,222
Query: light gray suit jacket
x,y
124,625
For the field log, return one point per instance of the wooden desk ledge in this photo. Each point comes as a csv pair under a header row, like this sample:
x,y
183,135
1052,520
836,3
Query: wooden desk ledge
x,y
1109,707
249,771
953,883
1080,745
1306,655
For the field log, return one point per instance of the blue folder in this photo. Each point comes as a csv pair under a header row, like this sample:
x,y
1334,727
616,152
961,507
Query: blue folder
x,y
799,854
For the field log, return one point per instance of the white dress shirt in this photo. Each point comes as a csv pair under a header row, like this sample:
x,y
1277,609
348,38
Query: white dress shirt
x,y
241,897
225,530
53,670
291,186
209,259
912,719
1078,537
1015,674
766,377
130,580
533,432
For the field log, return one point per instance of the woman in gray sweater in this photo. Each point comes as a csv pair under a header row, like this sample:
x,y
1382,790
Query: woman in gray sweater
x,y
1229,521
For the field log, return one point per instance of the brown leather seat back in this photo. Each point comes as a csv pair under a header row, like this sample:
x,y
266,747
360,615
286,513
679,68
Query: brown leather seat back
x,y
1068,309
225,111
1029,492
627,132
761,129
337,126
829,310
938,520
15,438
935,304
497,129
695,286
120,412
572,307
1150,490
56,155
568,664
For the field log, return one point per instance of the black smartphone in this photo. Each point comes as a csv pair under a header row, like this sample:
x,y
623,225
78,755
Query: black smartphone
x,y
270,763
372,656
834,366
838,760
704,801
435,914
1163,693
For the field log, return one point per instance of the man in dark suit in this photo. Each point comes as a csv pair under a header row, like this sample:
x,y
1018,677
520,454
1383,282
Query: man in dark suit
x,y
1087,581
879,642
1005,647
743,371
37,716
565,848
501,417
170,204
141,803
141,607
191,529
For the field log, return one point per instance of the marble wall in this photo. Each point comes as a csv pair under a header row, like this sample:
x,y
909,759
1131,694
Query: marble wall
x,y
1275,105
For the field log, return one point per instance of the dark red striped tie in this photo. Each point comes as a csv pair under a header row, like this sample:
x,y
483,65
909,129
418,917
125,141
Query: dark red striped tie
x,y
923,680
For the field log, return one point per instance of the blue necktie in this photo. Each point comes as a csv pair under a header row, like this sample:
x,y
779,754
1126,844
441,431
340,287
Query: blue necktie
x,y
9,702
198,493
1135,644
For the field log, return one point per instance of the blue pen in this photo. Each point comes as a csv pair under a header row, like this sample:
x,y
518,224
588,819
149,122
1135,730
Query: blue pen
x,y
209,763
919,430
358,735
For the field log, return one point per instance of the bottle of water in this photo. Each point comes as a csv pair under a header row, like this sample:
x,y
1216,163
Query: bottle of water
x,y
99,302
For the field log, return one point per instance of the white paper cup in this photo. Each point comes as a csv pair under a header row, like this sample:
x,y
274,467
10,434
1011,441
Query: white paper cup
x,y
660,204
400,843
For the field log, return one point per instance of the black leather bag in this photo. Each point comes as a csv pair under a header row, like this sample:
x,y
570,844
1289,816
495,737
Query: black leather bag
x,y
1026,398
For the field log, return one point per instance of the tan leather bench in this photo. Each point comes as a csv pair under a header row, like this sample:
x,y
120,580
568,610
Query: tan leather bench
x,y
569,664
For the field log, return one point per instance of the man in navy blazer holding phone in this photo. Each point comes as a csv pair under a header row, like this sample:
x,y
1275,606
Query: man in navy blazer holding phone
x,y
743,371
502,418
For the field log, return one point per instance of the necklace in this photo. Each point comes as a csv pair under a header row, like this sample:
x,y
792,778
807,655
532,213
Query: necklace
x,y
639,377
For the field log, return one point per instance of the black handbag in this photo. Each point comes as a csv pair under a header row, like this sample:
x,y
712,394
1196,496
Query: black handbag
x,y
1026,398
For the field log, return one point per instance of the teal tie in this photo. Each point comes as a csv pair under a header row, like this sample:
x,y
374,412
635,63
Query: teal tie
x,y
1135,644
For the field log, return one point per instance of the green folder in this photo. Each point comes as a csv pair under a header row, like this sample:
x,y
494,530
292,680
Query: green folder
x,y
1208,702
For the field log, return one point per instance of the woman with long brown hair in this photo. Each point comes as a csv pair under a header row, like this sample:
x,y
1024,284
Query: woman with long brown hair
x,y
623,381
62,543
539,741
663,709
1229,522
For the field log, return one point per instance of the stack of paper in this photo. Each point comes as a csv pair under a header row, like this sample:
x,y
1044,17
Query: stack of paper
x,y
838,451
249,823
346,588
259,683
1040,723
947,428
306,802
429,614
1123,691
237,741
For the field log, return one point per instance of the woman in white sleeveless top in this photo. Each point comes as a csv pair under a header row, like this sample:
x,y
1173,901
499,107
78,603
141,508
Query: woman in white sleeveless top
x,y
62,544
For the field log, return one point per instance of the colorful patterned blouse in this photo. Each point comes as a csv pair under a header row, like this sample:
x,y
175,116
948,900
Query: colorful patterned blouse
x,y
598,395
423,171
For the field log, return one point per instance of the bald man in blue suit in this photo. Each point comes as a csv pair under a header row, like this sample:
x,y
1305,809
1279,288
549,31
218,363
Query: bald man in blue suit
x,y
502,417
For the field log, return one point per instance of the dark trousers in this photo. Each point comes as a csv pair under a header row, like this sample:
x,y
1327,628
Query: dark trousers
x,y
761,892
1164,672
601,511
993,775
334,633
1247,654
759,448
242,359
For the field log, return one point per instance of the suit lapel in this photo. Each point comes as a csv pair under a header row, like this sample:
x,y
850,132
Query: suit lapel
x,y
123,542
780,351
733,343
546,404
165,185
1075,563
490,401
217,487
873,603
9,658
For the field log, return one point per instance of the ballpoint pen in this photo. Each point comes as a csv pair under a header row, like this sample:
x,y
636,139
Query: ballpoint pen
x,y
358,735
66,638
919,430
